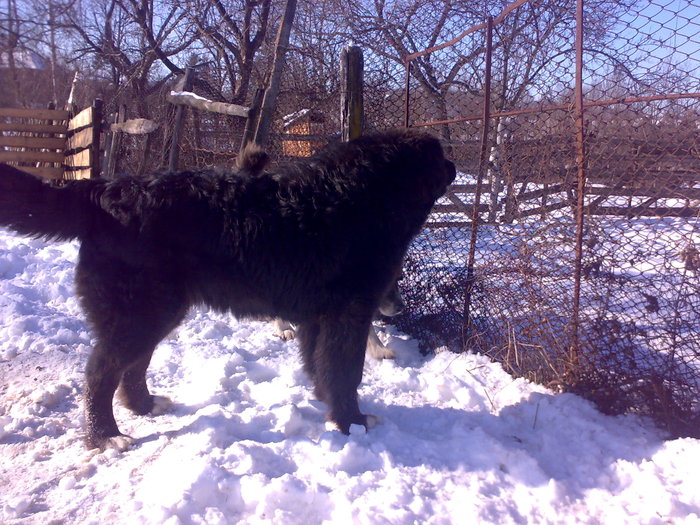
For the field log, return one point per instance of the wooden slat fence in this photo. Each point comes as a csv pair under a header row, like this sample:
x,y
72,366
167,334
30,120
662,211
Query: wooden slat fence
x,y
625,178
50,143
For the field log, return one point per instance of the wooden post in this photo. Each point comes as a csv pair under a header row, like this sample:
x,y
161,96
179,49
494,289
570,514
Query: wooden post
x,y
70,103
270,100
112,149
251,122
467,323
97,108
351,99
183,85
109,140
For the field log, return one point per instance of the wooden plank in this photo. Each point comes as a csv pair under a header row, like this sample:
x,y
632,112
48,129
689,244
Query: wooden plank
x,y
77,174
643,211
174,154
135,126
97,109
300,137
269,102
79,160
452,224
456,201
39,114
544,209
457,208
619,211
351,95
467,188
197,102
536,194
111,151
33,142
628,177
31,156
45,172
80,140
662,193
81,120
23,127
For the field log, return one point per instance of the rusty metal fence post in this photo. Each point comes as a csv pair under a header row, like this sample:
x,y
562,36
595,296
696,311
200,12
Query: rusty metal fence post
x,y
467,324
407,94
581,188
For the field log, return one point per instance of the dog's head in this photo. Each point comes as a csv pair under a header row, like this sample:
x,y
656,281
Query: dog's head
x,y
423,169
430,156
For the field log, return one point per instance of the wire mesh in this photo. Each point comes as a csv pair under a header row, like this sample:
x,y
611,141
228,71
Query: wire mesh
x,y
628,339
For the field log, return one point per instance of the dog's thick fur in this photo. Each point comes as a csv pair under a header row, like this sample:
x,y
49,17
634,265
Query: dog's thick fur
x,y
318,242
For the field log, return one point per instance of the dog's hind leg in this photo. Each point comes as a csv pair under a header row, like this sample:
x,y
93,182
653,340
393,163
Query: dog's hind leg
x,y
120,359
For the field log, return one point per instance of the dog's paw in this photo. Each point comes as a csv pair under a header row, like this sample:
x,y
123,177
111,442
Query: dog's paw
x,y
287,335
284,329
118,443
371,421
161,404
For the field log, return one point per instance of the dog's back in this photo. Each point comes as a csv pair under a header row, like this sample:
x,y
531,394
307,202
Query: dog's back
x,y
122,210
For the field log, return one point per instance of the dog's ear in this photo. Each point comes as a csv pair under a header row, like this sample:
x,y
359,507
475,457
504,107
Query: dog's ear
x,y
252,160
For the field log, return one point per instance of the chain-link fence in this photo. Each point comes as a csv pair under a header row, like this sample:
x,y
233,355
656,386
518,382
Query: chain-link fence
x,y
569,246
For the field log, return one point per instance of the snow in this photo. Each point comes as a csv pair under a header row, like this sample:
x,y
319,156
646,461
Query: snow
x,y
459,441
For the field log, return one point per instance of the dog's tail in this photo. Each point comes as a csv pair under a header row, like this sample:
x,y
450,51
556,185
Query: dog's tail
x,y
31,206
253,160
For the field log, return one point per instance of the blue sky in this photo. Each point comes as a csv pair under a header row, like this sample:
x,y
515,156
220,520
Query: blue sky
x,y
674,30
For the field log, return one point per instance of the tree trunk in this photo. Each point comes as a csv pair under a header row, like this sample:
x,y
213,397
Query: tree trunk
x,y
270,100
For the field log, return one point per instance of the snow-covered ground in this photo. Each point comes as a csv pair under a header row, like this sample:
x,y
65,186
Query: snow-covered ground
x,y
461,441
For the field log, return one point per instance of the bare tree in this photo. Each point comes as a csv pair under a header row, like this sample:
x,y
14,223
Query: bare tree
x,y
137,43
232,32
395,29
30,56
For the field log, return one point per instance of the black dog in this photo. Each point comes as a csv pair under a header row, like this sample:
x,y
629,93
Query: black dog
x,y
253,160
318,242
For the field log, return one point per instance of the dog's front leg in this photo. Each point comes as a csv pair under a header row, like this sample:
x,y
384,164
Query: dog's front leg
x,y
338,359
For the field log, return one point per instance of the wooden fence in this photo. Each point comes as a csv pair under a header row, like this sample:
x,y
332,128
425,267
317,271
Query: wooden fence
x,y
628,178
52,143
